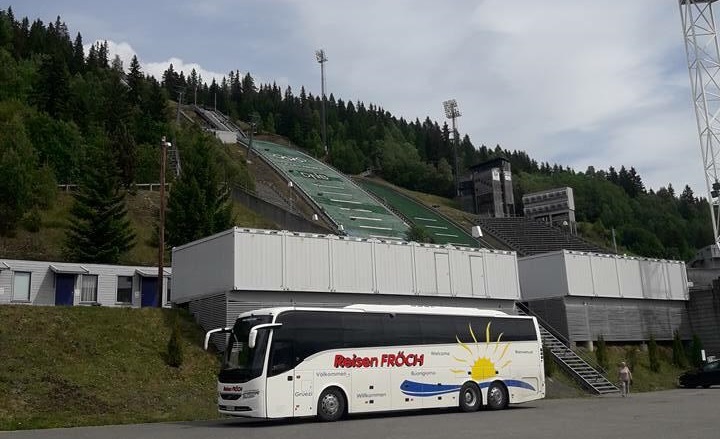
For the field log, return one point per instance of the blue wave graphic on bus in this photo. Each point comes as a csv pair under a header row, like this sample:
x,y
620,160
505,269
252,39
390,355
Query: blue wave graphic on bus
x,y
414,388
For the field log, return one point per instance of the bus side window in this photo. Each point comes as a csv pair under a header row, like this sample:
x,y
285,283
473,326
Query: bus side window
x,y
281,357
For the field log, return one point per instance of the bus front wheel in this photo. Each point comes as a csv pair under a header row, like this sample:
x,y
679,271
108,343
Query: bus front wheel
x,y
331,405
470,397
497,396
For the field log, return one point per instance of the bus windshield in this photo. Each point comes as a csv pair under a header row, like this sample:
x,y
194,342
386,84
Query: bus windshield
x,y
240,363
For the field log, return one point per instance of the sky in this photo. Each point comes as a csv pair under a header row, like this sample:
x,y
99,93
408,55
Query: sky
x,y
572,82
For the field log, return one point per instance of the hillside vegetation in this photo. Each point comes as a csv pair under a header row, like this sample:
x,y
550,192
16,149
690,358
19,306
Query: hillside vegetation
x,y
64,367
46,242
71,115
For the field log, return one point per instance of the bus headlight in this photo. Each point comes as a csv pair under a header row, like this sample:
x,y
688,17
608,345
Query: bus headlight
x,y
250,394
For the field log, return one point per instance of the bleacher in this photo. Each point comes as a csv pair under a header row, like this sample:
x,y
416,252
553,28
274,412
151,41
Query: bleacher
x,y
528,237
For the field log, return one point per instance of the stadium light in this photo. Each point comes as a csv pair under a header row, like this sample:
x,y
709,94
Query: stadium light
x,y
452,112
322,59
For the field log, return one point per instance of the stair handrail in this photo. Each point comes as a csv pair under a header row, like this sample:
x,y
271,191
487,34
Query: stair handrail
x,y
554,332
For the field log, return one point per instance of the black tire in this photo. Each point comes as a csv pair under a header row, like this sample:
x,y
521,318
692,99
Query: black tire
x,y
331,405
497,396
706,386
470,397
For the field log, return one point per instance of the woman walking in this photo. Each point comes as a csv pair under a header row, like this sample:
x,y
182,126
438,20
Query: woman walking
x,y
625,379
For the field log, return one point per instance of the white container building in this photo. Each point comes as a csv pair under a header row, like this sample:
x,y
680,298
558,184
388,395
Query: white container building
x,y
241,269
585,295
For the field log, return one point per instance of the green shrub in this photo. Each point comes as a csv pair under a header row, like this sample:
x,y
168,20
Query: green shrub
x,y
601,353
696,351
653,355
174,348
631,357
549,362
678,351
32,221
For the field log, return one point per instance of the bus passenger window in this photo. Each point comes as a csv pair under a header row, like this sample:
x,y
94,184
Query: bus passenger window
x,y
281,358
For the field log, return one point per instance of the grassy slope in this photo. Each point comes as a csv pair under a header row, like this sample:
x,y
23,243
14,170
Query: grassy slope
x,y
65,367
46,244
644,380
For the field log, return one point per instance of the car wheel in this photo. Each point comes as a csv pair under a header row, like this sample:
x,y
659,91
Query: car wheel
x,y
706,386
470,397
331,405
497,396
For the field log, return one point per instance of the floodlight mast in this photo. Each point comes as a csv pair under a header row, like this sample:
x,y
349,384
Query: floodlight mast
x,y
322,59
452,112
703,58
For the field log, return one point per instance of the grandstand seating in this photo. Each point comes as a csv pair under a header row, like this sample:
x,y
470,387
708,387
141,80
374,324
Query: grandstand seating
x,y
528,237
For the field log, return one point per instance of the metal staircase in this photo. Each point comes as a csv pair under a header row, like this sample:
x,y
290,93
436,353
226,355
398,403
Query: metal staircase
x,y
174,160
584,373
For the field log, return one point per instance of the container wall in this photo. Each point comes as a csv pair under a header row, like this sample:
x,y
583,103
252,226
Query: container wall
x,y
579,274
605,280
629,278
393,268
260,261
654,279
583,274
352,266
285,261
205,267
426,283
504,282
543,276
304,257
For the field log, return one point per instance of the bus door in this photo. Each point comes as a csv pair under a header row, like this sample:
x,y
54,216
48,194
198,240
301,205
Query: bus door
x,y
281,382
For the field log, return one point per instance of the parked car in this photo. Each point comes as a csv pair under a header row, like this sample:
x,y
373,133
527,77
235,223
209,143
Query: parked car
x,y
706,375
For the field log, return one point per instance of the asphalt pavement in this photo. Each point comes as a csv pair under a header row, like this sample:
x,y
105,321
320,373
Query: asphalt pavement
x,y
681,413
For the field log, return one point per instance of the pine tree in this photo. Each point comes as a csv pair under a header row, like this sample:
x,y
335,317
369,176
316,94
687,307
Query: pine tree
x,y
678,350
100,231
653,355
175,355
696,351
199,203
24,183
601,352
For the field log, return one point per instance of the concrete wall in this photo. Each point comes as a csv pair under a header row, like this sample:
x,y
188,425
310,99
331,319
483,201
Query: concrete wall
x,y
284,219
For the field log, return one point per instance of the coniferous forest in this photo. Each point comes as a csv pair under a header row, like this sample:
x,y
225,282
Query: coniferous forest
x,y
64,110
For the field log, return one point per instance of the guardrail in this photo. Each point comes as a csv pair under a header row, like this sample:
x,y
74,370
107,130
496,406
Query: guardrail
x,y
146,186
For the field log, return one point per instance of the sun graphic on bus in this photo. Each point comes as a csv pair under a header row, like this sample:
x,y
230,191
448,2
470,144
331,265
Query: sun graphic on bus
x,y
482,360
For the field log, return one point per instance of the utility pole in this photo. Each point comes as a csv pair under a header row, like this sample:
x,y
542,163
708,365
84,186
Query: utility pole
x,y
452,112
161,228
322,59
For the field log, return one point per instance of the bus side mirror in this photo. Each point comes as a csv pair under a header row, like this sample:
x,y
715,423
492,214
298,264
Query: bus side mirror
x,y
252,337
214,331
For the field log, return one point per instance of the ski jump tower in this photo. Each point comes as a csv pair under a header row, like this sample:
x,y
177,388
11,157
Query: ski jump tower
x,y
703,57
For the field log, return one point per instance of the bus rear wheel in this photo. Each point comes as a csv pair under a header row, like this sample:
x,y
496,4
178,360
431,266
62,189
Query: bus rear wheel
x,y
331,405
497,396
470,397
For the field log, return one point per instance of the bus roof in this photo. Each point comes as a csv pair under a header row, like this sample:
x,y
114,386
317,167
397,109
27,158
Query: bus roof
x,y
398,309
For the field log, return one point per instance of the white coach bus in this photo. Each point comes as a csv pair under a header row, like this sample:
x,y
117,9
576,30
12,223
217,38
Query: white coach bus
x,y
292,362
